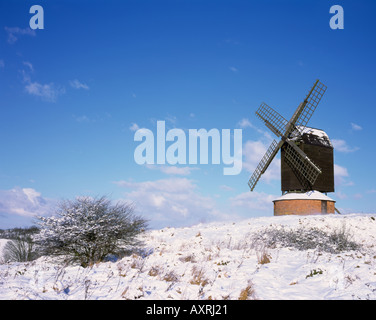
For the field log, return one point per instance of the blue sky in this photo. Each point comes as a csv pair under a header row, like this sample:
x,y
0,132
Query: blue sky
x,y
73,94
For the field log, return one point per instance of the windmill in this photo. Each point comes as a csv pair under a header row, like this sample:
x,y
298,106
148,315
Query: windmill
x,y
306,153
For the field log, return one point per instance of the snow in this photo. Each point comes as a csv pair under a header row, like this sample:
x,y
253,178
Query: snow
x,y
212,261
311,195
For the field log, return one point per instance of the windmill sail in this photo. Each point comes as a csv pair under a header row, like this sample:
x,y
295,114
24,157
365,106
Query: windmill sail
x,y
264,163
302,166
272,119
310,103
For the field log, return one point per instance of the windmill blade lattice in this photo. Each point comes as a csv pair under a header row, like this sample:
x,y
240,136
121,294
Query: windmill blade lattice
x,y
264,163
272,119
310,103
302,165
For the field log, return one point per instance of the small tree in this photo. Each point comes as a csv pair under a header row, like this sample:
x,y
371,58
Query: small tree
x,y
19,250
86,230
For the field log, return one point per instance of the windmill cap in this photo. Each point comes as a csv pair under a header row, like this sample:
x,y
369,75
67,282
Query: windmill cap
x,y
320,134
311,195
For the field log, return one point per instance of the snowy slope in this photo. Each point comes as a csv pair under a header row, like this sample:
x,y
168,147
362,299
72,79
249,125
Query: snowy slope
x,y
213,261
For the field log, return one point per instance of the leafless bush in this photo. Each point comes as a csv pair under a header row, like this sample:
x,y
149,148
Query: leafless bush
x,y
21,249
307,238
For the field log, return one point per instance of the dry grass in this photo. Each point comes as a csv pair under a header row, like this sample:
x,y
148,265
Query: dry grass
x,y
171,277
188,258
263,257
248,293
198,277
154,271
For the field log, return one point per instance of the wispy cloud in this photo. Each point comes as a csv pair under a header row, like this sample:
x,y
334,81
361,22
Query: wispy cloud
x,y
341,146
47,92
15,32
172,170
226,188
29,65
134,127
82,118
78,85
2,64
356,127
245,123
233,69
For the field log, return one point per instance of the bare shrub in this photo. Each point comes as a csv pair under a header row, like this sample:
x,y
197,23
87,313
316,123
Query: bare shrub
x,y
21,249
337,241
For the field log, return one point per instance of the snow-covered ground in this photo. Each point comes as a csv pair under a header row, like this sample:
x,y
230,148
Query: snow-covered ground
x,y
213,261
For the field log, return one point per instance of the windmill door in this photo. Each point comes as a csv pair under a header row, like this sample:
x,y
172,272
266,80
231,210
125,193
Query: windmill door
x,y
324,206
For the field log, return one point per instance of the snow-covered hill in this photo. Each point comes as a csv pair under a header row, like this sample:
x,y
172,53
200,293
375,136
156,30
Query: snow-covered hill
x,y
216,261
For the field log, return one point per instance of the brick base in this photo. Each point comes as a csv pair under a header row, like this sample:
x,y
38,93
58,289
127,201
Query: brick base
x,y
303,207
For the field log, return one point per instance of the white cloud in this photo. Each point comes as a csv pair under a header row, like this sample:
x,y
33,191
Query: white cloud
x,y
340,176
341,146
233,69
12,32
2,64
25,202
78,85
171,202
356,127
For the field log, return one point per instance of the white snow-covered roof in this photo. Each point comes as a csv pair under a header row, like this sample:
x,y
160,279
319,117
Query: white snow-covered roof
x,y
317,132
320,134
311,195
